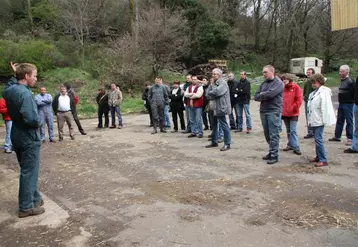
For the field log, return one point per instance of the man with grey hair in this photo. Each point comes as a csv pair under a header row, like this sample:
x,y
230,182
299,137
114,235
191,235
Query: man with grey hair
x,y
221,107
345,108
270,95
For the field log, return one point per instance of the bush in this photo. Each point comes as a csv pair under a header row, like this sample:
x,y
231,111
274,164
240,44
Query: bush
x,y
44,55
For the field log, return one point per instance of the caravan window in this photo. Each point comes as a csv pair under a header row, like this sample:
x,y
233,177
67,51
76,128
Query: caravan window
x,y
311,63
296,63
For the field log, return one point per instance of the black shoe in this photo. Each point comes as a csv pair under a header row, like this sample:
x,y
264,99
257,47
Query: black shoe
x,y
308,136
334,139
99,127
209,136
163,131
212,145
154,132
266,157
113,127
174,131
83,133
43,141
52,140
200,136
272,161
350,151
298,152
72,137
206,128
287,149
225,148
238,130
191,136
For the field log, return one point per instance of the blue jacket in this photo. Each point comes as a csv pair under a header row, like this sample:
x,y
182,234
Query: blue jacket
x,y
270,95
43,103
23,112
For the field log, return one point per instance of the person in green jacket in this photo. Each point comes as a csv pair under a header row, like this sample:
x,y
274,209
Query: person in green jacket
x,y
307,89
25,136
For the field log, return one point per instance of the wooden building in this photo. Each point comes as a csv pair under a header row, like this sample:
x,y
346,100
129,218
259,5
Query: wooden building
x,y
344,14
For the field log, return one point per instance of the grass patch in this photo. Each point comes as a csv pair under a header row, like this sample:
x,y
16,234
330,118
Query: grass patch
x,y
132,105
170,77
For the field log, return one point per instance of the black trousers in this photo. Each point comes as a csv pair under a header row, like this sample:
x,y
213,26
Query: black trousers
x,y
103,110
175,112
149,109
77,121
158,115
205,118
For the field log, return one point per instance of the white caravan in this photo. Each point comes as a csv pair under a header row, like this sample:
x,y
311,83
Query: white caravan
x,y
299,66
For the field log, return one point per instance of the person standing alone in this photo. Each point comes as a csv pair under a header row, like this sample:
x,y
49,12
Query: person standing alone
x,y
43,101
25,136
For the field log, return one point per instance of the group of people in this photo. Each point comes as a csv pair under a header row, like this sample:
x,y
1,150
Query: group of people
x,y
25,117
280,99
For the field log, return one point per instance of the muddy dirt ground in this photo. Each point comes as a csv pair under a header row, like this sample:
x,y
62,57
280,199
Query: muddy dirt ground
x,y
130,188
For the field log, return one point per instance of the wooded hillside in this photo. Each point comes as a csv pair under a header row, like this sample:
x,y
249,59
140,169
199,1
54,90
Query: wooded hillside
x,y
130,41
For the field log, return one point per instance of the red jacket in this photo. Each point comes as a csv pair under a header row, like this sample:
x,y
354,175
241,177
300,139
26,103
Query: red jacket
x,y
197,103
292,100
3,110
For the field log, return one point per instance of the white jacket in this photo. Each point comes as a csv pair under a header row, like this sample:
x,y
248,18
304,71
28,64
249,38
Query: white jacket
x,y
320,108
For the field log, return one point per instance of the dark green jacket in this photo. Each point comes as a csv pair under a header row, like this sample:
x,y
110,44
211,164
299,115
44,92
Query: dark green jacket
x,y
307,89
23,112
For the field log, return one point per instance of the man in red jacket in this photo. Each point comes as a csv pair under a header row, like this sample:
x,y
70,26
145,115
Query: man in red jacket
x,y
8,124
292,100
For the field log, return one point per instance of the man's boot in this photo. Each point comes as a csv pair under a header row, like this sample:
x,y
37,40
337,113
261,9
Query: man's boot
x,y
154,129
162,128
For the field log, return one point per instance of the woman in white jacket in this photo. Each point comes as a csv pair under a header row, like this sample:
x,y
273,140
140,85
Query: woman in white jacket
x,y
320,114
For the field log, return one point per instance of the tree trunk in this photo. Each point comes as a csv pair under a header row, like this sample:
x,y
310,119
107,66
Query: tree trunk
x,y
305,38
29,14
257,27
290,48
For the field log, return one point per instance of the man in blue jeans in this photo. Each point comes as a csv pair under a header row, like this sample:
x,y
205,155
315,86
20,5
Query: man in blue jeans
x,y
195,100
220,94
243,96
345,108
25,136
270,95
354,147
115,99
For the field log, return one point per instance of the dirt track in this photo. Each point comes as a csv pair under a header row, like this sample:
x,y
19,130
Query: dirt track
x,y
129,188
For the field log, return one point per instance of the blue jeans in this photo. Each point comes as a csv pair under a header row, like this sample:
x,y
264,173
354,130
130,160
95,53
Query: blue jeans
x,y
29,161
309,129
345,113
239,109
233,124
116,110
355,135
196,120
46,119
188,128
318,139
211,117
166,116
221,121
291,129
8,145
271,123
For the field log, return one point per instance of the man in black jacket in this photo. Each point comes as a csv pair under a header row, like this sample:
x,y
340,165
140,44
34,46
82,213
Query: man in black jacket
x,y
186,85
345,108
205,85
232,87
243,95
147,102
71,93
103,108
63,106
177,106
